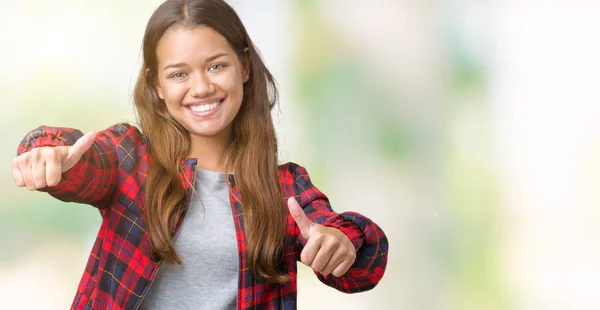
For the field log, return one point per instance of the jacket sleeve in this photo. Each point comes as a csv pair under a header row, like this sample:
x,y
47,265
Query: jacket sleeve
x,y
369,240
93,179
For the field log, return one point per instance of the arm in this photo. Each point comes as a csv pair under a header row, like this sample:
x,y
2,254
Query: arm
x,y
93,178
368,239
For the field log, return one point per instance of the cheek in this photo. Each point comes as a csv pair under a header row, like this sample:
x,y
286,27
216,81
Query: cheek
x,y
173,95
233,85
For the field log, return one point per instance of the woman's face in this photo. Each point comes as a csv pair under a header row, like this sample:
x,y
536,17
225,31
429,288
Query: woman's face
x,y
201,79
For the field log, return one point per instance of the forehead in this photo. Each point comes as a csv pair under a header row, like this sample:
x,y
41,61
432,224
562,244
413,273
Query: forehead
x,y
185,44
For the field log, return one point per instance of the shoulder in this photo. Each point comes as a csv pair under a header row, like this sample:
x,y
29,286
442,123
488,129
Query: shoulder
x,y
293,173
296,182
290,168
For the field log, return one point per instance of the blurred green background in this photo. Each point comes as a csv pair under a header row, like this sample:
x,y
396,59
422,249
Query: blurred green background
x,y
469,131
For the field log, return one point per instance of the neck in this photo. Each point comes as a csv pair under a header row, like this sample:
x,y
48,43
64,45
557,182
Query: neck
x,y
210,151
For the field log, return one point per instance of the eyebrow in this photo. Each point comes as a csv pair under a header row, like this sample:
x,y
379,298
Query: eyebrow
x,y
209,59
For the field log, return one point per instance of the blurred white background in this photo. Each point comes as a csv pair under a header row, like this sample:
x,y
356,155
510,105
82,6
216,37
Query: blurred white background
x,y
468,130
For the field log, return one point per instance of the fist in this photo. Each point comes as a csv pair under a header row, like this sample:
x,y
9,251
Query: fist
x,y
43,166
328,250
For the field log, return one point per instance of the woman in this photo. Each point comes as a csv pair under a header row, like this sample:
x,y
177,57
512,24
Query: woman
x,y
206,152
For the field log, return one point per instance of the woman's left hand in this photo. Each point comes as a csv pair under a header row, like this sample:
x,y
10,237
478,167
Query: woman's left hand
x,y
328,250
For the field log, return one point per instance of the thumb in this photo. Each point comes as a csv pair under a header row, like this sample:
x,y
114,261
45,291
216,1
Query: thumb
x,y
304,223
76,150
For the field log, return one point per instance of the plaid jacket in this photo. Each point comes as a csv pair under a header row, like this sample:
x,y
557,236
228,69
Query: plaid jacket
x,y
111,176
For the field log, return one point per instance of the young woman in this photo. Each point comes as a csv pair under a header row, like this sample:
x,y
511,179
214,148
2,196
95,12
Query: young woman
x,y
206,153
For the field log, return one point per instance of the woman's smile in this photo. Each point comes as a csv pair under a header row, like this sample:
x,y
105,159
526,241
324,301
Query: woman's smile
x,y
204,109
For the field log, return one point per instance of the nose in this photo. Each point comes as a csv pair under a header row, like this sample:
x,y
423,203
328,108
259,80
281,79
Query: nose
x,y
201,85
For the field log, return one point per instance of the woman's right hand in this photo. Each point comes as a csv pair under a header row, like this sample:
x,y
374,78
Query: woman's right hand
x,y
43,166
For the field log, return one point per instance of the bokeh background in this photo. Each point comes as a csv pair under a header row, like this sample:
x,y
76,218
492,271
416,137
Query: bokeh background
x,y
468,130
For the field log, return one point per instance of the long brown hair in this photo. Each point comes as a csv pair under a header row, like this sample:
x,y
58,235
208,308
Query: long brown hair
x,y
252,154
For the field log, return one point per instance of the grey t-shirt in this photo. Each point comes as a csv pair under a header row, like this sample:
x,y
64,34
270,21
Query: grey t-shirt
x,y
207,244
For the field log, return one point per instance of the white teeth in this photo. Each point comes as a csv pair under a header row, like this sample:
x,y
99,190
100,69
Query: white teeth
x,y
204,107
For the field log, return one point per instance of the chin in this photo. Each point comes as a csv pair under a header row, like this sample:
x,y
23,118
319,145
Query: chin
x,y
206,132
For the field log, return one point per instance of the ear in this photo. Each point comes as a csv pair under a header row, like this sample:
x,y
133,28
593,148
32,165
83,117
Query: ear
x,y
246,66
156,86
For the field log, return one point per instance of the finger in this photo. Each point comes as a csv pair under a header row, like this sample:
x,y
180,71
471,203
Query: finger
x,y
336,259
25,167
310,250
16,173
343,267
323,257
38,170
304,223
53,173
83,144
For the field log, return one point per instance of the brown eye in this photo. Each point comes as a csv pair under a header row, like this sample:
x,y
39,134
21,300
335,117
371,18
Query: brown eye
x,y
216,67
178,75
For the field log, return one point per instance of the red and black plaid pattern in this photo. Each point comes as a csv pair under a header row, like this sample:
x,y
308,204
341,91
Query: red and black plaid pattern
x,y
111,176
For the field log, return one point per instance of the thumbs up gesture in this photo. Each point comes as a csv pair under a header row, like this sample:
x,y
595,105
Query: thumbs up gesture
x,y
43,166
328,250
